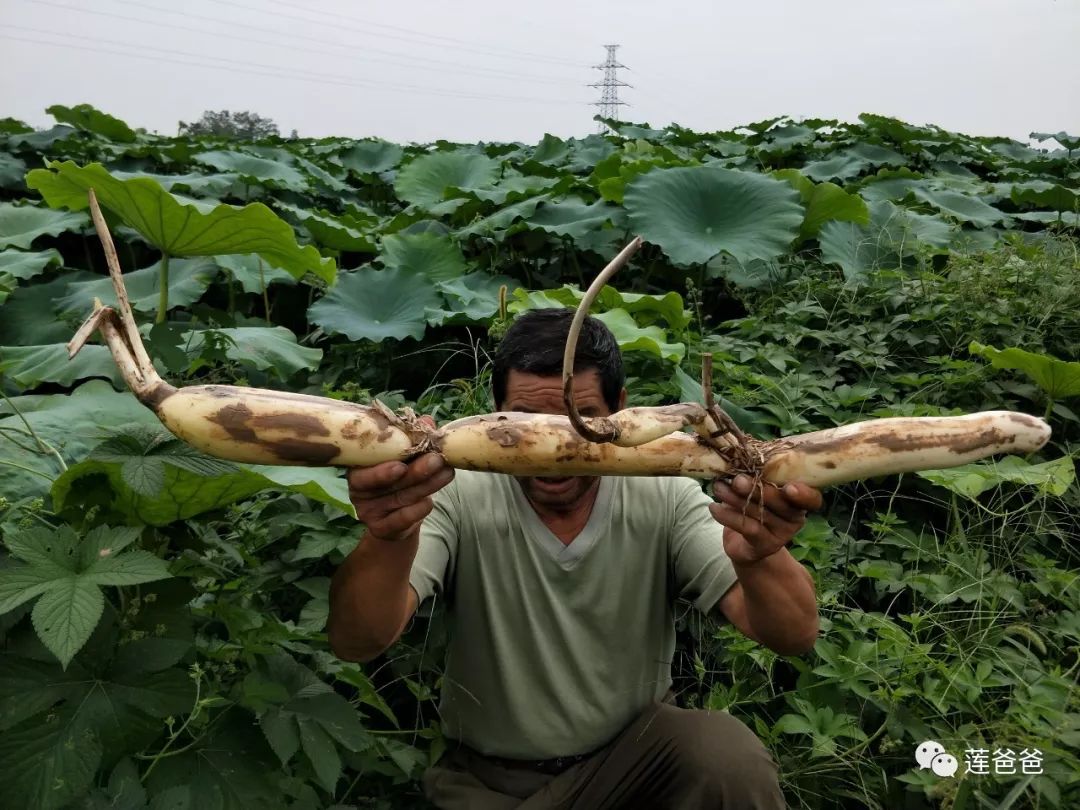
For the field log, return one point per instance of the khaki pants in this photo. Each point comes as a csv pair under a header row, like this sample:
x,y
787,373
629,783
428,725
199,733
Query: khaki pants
x,y
668,757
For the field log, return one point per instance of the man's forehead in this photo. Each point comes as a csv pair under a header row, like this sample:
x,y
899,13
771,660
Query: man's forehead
x,y
521,383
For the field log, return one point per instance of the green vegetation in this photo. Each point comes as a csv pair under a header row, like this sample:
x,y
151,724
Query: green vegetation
x,y
163,613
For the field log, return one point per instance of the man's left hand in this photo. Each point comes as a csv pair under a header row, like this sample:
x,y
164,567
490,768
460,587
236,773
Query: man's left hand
x,y
753,532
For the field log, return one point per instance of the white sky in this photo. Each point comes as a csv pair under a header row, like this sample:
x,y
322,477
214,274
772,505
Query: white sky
x,y
485,70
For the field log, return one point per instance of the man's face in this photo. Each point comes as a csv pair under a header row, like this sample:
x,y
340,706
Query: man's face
x,y
532,393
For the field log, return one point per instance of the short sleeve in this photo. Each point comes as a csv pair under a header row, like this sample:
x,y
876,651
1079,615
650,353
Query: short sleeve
x,y
702,569
437,550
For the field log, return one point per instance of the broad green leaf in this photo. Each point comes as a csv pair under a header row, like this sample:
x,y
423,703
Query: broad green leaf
x,y
226,768
473,298
371,157
316,611
129,568
27,265
828,202
73,424
428,255
961,206
281,732
971,480
186,493
262,348
22,224
573,217
12,171
890,239
86,117
66,615
143,454
425,179
1058,378
212,186
695,213
189,279
47,765
179,229
321,753
353,232
632,337
30,366
1046,195
669,306
29,687
837,167
252,273
20,584
376,305
272,173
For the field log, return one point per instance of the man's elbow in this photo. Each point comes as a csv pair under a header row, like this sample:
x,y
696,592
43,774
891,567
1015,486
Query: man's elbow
x,y
348,646
802,642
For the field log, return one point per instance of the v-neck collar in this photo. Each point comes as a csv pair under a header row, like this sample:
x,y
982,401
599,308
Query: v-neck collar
x,y
567,555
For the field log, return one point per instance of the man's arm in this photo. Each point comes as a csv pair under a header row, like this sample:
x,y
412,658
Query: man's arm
x,y
370,597
774,601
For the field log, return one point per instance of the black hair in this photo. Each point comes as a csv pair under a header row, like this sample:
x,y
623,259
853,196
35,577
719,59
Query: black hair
x,y
535,342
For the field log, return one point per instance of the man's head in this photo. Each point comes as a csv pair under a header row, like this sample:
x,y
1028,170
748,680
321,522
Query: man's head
x,y
527,377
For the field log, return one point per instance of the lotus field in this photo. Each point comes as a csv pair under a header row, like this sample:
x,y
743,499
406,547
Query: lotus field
x,y
163,613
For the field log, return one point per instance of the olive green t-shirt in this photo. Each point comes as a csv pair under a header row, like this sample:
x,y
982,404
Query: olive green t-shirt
x,y
554,648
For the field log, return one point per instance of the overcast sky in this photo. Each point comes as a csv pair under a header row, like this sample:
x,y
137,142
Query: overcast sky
x,y
419,70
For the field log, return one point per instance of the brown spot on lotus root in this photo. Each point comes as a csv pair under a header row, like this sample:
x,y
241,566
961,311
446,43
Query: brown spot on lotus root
x,y
234,419
299,423
829,465
504,435
314,453
156,395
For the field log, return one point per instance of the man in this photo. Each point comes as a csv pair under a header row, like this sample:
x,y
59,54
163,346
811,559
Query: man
x,y
560,594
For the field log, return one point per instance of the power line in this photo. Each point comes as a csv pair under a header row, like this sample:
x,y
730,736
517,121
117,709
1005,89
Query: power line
x,y
609,88
404,60
244,67
472,47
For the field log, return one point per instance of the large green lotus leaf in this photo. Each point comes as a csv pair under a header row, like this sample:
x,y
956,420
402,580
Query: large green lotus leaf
x,y
371,157
837,167
1069,218
551,150
312,171
669,306
824,202
1064,138
188,280
25,266
178,229
426,254
200,185
885,243
13,126
631,337
22,224
271,173
261,348
513,187
376,305
41,141
497,224
86,117
11,171
72,423
425,179
574,217
586,152
29,319
29,366
971,480
473,298
695,213
877,155
961,206
1058,378
353,231
186,494
252,273
1046,195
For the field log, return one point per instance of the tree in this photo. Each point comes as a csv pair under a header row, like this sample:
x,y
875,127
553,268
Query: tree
x,y
246,125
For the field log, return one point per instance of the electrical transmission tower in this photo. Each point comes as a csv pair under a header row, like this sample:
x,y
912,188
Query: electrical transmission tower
x,y
609,88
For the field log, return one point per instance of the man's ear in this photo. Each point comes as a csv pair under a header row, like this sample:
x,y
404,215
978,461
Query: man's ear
x,y
622,399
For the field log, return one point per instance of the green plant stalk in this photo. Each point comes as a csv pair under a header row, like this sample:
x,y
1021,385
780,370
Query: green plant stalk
x,y
195,710
45,447
163,290
265,296
30,470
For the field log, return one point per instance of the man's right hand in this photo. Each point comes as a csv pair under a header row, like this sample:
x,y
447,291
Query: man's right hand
x,y
393,498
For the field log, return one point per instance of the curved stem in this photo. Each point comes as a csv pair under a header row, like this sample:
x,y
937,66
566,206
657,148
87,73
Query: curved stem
x,y
44,446
612,268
